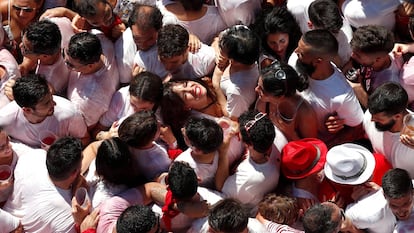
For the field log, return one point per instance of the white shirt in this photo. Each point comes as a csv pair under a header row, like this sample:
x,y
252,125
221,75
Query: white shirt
x,y
239,90
11,67
120,107
65,121
238,11
198,64
372,212
389,144
125,50
41,205
92,93
332,95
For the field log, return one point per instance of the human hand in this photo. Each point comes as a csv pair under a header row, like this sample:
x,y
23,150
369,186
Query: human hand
x,y
167,135
78,212
8,89
19,229
136,70
117,30
334,124
361,190
400,49
79,24
90,221
194,44
407,140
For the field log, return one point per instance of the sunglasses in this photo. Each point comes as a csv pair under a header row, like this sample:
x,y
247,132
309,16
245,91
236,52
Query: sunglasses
x,y
251,123
24,9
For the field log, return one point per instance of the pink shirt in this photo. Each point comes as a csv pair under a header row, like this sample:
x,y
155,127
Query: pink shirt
x,y
8,63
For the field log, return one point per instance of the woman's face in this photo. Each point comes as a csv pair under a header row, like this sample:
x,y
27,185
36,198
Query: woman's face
x,y
24,10
278,42
192,93
139,104
263,96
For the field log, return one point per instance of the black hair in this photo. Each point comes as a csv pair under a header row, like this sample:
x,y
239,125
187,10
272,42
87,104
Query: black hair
x,y
260,134
396,183
87,8
390,98
240,44
172,40
204,134
114,163
85,47
63,158
372,39
29,90
182,180
229,216
139,129
44,36
322,42
192,5
136,219
279,86
325,14
147,86
318,219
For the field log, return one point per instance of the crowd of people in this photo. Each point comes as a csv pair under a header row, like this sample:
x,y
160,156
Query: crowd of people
x,y
197,116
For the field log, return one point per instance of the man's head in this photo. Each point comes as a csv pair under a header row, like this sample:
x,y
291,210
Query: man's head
x,y
325,14
240,44
387,105
97,13
139,129
83,53
371,45
323,218
279,209
316,47
145,22
398,190
33,95
63,160
40,40
203,135
257,130
138,219
173,46
182,180
228,216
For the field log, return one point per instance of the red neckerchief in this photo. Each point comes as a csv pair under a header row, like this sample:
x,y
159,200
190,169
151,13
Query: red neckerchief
x,y
167,209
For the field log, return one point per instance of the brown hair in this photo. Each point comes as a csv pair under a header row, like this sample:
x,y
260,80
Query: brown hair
x,y
279,209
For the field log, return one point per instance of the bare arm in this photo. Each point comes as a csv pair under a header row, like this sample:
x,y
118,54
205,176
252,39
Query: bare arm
x,y
89,154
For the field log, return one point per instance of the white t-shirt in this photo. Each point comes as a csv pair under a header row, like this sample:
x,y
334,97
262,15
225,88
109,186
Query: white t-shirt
x,y
372,212
299,10
239,90
252,181
238,11
370,12
125,50
390,74
407,78
201,226
151,162
8,222
389,144
120,107
41,205
211,20
197,65
332,95
405,226
204,171
65,121
92,93
11,67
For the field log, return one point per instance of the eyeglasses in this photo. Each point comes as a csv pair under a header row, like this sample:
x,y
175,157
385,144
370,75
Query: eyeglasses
x,y
68,64
251,123
24,9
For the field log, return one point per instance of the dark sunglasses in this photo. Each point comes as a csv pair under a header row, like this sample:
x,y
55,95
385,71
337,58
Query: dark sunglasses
x,y
25,9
